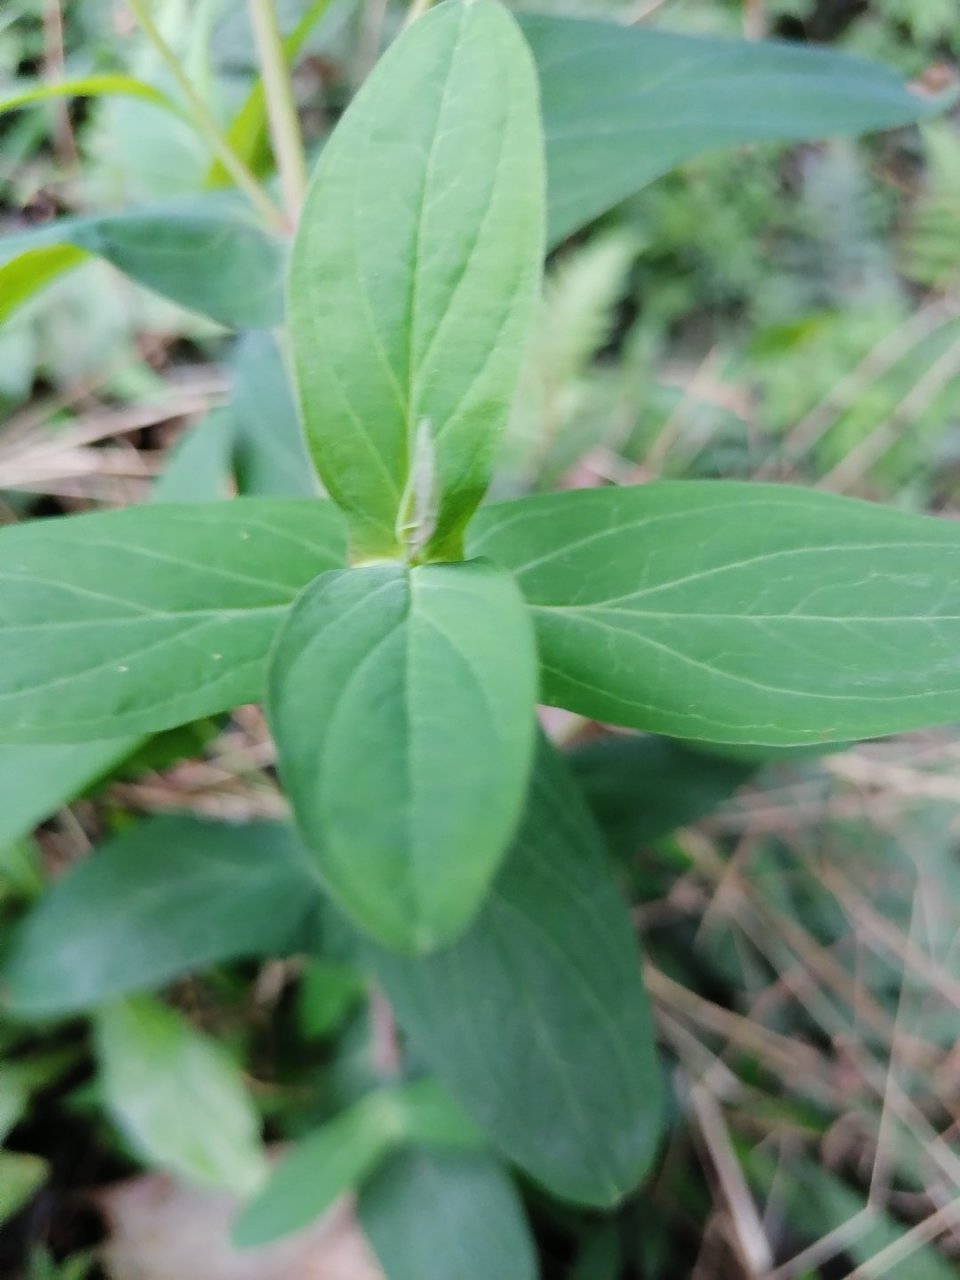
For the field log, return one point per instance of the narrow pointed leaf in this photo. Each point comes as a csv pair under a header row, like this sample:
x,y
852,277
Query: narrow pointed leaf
x,y
177,1097
207,254
170,896
436,1215
95,86
414,274
137,620
536,1020
738,613
332,1160
271,453
623,105
402,702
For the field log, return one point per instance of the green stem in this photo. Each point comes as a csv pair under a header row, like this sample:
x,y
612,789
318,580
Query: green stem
x,y
282,116
205,123
416,10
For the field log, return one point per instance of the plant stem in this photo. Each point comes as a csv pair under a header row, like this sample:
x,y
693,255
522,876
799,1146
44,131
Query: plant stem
x,y
416,10
204,120
282,116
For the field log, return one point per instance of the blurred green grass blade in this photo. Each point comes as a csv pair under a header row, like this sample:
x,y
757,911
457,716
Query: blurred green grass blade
x,y
94,86
206,253
737,612
248,132
623,105
432,1215
171,896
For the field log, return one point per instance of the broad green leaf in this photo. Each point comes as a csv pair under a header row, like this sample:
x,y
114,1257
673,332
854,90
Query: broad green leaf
x,y
138,620
414,277
623,105
30,270
35,781
738,612
207,254
248,133
334,1159
641,788
270,451
21,1177
95,86
170,896
438,1215
401,701
177,1097
536,1020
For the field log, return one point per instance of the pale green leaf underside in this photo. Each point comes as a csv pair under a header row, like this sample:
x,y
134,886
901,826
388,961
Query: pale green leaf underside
x,y
415,270
623,105
206,254
176,1095
137,620
402,702
434,1215
737,612
170,896
536,1020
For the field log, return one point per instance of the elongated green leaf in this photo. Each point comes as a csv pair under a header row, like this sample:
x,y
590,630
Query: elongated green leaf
x,y
536,1020
334,1159
141,619
434,1216
21,1177
208,255
84,87
738,613
402,702
36,781
623,105
169,896
641,788
177,1097
414,276
25,274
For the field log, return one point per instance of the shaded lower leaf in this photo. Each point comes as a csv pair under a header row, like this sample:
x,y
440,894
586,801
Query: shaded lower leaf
x,y
271,452
536,1020
35,781
138,620
334,1159
170,896
640,788
401,701
443,1216
177,1097
207,254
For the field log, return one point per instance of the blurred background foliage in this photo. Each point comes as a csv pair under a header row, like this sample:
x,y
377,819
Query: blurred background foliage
x,y
768,312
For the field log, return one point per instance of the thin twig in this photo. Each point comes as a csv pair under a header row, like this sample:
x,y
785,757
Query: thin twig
x,y
205,122
285,135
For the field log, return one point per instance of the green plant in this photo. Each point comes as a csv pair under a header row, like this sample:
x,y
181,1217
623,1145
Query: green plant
x,y
401,635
